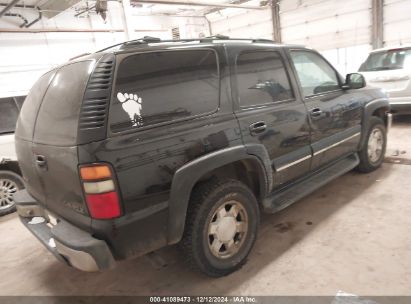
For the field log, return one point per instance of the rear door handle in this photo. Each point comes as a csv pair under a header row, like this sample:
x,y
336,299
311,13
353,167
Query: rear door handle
x,y
258,127
316,112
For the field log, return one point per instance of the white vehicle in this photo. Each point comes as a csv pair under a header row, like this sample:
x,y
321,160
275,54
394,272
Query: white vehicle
x,y
10,176
390,69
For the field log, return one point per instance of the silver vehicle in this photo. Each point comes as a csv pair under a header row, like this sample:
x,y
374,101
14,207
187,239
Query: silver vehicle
x,y
390,69
10,179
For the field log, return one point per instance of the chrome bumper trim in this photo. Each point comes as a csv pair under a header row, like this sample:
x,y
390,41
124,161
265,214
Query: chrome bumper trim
x,y
336,144
294,163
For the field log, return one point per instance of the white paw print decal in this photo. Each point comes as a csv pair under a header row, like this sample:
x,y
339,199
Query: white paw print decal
x,y
131,104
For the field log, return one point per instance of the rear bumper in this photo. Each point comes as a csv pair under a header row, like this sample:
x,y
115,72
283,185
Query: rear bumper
x,y
67,243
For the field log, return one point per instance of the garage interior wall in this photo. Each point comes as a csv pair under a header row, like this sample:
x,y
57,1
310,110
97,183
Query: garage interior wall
x,y
340,30
29,55
242,23
397,25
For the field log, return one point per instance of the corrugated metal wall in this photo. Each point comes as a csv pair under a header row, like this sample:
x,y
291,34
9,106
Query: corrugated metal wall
x,y
340,30
326,24
242,23
397,22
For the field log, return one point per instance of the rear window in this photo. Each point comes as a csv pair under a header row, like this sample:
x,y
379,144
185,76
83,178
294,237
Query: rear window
x,y
387,60
8,115
58,118
159,87
29,110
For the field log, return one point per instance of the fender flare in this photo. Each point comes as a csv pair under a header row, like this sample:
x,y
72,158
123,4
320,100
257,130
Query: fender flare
x,y
188,175
369,109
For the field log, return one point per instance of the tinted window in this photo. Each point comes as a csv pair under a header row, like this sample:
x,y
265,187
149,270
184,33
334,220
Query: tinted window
x,y
31,106
158,87
58,117
8,115
315,74
387,60
262,78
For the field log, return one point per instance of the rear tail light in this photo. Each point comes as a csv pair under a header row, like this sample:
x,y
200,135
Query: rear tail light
x,y
100,191
95,172
103,206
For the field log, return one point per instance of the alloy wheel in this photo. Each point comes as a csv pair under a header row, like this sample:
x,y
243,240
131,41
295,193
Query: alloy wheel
x,y
375,145
7,189
227,229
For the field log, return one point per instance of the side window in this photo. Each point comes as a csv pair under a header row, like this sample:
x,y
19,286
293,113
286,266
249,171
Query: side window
x,y
158,87
8,115
315,74
262,78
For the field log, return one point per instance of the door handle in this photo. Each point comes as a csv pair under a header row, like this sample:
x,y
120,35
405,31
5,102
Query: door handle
x,y
41,161
316,112
258,127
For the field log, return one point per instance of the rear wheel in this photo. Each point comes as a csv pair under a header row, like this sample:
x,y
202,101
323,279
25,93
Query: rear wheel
x,y
221,227
10,183
373,152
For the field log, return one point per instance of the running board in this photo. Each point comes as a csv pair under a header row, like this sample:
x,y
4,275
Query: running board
x,y
285,197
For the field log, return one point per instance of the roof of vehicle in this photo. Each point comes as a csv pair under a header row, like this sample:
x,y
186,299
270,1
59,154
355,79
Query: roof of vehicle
x,y
158,43
155,44
387,48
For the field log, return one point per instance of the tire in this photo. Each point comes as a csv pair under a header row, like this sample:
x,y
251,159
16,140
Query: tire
x,y
10,182
373,152
221,227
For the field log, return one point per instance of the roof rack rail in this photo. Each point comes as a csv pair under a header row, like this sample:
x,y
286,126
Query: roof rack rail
x,y
143,40
149,39
263,41
215,37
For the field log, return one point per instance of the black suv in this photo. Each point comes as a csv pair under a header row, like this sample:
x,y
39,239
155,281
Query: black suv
x,y
151,143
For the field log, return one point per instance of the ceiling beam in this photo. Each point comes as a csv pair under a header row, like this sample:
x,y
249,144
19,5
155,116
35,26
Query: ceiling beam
x,y
8,7
217,9
197,3
70,30
52,8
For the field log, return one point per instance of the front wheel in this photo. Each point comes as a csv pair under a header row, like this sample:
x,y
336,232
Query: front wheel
x,y
10,183
221,227
373,152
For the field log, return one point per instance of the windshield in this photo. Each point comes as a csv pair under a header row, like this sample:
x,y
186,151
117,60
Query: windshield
x,y
387,60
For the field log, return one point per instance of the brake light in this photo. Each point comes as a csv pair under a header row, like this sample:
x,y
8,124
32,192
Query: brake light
x,y
103,206
100,191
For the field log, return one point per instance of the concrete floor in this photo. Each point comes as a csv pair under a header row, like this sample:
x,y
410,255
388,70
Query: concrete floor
x,y
351,235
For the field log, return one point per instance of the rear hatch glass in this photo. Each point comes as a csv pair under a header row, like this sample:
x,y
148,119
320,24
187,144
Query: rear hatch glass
x,y
28,114
387,60
58,118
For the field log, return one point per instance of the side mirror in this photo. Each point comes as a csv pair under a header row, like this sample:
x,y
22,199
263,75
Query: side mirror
x,y
354,81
